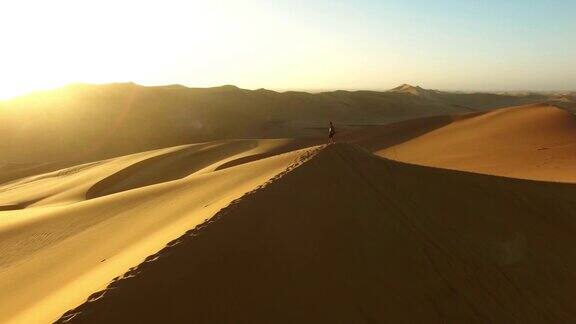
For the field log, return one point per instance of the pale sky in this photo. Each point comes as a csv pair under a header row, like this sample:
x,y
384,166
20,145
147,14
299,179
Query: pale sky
x,y
290,44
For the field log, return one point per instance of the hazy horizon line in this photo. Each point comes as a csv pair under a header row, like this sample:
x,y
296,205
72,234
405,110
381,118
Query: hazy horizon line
x,y
290,89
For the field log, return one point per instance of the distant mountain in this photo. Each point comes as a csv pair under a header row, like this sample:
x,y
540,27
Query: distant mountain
x,y
414,90
89,122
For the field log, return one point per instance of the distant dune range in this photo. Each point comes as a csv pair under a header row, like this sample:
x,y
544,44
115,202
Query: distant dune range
x,y
83,123
433,219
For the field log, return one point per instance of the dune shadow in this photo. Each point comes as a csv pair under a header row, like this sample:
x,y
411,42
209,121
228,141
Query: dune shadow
x,y
167,167
375,138
416,234
11,207
20,205
288,147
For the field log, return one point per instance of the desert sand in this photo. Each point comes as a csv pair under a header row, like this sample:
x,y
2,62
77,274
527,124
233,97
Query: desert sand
x,y
69,232
465,217
348,237
531,142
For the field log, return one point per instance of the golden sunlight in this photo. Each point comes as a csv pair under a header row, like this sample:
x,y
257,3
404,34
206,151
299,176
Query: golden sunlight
x,y
287,161
65,41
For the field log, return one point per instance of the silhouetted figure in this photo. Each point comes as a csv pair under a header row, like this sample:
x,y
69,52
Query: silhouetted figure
x,y
331,133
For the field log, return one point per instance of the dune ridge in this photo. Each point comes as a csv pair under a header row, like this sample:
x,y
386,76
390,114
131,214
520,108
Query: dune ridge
x,y
72,243
417,248
304,232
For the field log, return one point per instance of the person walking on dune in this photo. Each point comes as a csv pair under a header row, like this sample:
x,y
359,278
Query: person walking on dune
x,y
331,133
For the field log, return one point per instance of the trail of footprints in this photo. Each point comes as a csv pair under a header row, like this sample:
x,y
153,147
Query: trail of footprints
x,y
135,271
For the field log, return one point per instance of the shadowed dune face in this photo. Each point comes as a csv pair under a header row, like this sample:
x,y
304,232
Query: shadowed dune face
x,y
181,163
19,205
167,167
376,138
14,171
286,146
98,179
348,237
532,142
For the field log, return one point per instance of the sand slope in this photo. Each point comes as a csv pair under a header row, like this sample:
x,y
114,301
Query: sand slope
x,y
531,142
66,234
349,237
304,233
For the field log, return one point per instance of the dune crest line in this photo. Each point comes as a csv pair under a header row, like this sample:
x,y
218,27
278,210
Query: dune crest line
x,y
197,230
349,237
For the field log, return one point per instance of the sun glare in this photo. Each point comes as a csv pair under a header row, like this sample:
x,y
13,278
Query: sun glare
x,y
60,42
277,45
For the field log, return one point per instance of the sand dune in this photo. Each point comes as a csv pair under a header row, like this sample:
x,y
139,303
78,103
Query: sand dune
x,y
532,142
287,230
348,237
86,123
90,223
